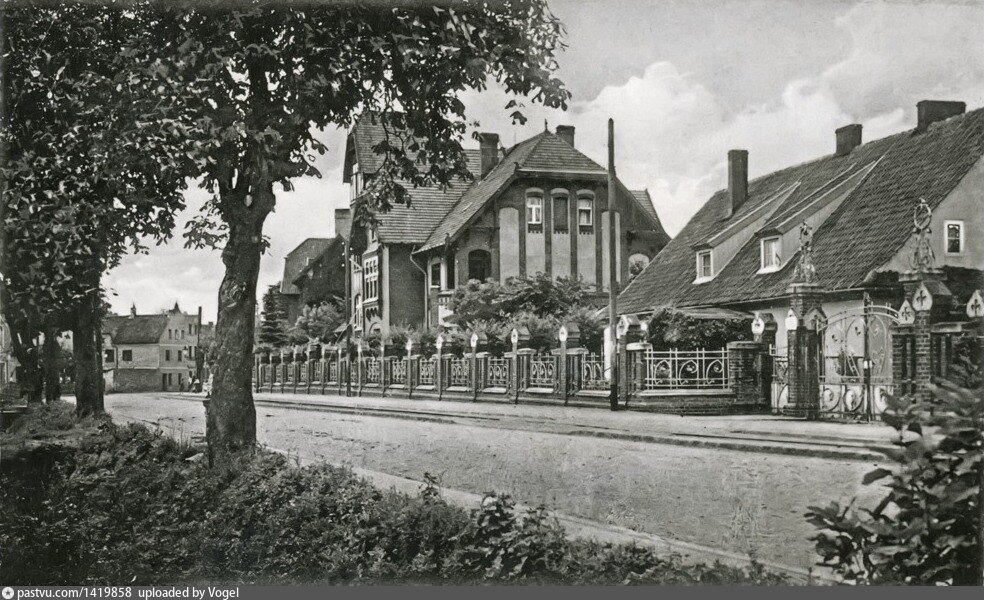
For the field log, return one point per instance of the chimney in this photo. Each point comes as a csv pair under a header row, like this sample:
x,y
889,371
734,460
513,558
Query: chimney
x,y
931,111
566,133
489,145
737,179
848,138
343,222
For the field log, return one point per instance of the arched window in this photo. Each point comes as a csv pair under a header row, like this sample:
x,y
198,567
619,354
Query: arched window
x,y
534,209
479,265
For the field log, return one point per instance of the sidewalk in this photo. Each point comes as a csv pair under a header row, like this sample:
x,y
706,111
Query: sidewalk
x,y
753,433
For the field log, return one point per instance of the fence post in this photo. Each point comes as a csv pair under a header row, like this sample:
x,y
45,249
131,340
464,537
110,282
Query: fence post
x,y
802,349
475,340
358,366
409,381
930,299
439,367
382,367
764,329
341,371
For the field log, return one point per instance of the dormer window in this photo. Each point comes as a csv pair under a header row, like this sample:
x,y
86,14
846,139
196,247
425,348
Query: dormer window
x,y
770,255
954,231
705,268
534,210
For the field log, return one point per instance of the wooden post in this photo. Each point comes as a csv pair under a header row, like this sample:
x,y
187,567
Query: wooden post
x,y
612,264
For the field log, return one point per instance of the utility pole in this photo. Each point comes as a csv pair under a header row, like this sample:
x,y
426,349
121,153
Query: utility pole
x,y
612,263
199,359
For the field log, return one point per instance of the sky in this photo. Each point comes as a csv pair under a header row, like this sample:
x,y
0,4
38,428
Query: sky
x,y
685,81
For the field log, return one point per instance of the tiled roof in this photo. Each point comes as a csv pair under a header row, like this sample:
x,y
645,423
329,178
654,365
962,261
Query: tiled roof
x,y
868,228
412,224
140,329
543,152
646,202
317,259
297,259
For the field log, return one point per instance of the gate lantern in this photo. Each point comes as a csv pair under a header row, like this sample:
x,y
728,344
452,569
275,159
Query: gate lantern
x,y
792,321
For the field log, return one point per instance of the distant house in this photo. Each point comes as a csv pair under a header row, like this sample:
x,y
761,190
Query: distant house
x,y
156,352
297,264
739,252
540,206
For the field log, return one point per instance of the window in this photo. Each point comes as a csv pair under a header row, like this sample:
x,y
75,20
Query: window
x,y
167,356
585,211
704,266
370,275
110,356
170,334
126,355
560,216
771,260
179,355
479,265
435,275
954,237
534,210
190,330
449,276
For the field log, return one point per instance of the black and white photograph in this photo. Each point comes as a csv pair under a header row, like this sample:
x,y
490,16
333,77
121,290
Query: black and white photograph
x,y
331,294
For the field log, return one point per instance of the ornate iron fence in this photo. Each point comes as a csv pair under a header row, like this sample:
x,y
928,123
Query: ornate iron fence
x,y
780,381
426,371
372,370
458,372
498,372
398,371
542,372
697,369
593,373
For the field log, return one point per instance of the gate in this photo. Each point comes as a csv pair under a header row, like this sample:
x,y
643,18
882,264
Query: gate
x,y
855,359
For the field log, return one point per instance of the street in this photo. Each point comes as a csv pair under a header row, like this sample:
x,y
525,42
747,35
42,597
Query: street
x,y
743,501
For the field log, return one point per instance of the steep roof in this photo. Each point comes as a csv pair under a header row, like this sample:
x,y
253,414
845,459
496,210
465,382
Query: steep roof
x,y
866,230
332,242
544,152
297,259
139,329
412,224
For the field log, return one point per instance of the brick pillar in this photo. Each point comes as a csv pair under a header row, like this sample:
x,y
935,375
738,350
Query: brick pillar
x,y
930,300
745,373
802,347
767,338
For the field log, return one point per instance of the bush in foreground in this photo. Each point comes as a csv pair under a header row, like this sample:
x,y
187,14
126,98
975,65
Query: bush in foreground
x,y
132,506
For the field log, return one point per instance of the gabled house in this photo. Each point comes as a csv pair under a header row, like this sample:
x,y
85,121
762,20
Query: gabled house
x,y
297,262
145,353
537,207
739,252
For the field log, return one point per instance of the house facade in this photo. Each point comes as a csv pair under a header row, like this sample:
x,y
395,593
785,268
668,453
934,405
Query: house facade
x,y
156,352
540,206
854,212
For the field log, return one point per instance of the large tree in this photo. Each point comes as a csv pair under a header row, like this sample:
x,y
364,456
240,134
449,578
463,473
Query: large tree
x,y
259,81
91,167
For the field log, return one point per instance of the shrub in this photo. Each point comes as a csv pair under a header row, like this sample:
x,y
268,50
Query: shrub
x,y
927,530
673,329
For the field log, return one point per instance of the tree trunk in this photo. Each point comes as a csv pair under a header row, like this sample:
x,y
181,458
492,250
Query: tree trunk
x,y
25,349
50,364
231,418
88,366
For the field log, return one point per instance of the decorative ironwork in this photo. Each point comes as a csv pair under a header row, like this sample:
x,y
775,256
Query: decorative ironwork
x,y
856,361
805,271
541,373
371,369
398,371
593,373
459,373
698,369
923,258
780,381
333,371
426,371
498,371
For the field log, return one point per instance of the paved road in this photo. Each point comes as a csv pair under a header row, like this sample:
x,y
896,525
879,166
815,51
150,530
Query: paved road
x,y
739,501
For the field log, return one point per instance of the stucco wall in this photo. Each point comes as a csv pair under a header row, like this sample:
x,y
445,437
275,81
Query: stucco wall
x,y
508,243
136,380
405,289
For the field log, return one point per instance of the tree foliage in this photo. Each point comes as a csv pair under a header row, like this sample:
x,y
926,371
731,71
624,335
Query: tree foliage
x,y
927,530
273,324
316,323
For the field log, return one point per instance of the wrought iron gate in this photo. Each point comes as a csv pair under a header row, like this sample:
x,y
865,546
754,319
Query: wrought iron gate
x,y
856,360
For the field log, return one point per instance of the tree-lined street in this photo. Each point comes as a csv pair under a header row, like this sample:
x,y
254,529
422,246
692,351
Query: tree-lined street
x,y
741,501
